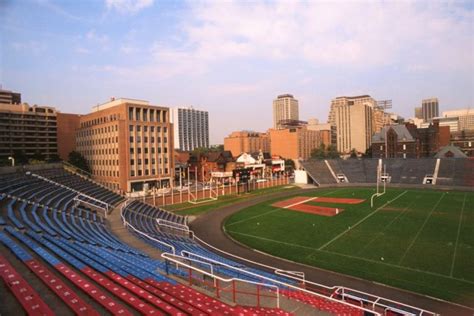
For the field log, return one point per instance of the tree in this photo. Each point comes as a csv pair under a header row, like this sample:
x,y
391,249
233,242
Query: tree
x,y
54,158
38,156
319,153
20,157
289,165
368,153
78,160
332,152
353,153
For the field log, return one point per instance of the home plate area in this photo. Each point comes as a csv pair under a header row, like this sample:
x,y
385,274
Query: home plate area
x,y
299,204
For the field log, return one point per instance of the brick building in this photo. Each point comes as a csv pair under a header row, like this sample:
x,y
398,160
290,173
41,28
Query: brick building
x,y
201,165
68,124
408,141
294,143
128,143
246,141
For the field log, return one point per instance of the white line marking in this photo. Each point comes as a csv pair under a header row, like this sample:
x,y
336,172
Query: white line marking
x,y
360,222
301,202
457,237
420,230
353,257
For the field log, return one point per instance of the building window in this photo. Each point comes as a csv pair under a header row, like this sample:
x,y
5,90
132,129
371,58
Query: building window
x,y
131,139
139,173
131,150
381,147
132,162
404,147
131,128
132,173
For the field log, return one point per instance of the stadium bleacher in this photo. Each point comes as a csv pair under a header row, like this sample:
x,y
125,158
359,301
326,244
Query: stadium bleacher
x,y
75,241
458,172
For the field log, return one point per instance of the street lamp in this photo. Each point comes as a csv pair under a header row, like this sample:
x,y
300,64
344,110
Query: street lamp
x,y
13,161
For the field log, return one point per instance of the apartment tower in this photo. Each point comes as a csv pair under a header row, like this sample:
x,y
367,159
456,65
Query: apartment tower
x,y
128,144
285,107
191,128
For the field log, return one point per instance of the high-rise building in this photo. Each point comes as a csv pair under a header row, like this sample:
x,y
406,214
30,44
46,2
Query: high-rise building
x,y
191,128
418,112
247,142
28,131
128,144
9,97
429,109
285,107
294,143
354,121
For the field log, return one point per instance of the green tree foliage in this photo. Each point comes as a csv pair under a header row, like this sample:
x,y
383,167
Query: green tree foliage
x,y
353,153
78,160
20,157
323,152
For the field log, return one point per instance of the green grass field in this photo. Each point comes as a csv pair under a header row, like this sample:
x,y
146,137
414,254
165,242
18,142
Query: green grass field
x,y
418,240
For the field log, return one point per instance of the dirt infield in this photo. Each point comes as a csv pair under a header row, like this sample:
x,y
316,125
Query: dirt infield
x,y
318,210
337,200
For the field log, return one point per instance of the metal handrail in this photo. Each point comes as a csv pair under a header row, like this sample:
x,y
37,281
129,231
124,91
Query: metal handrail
x,y
214,276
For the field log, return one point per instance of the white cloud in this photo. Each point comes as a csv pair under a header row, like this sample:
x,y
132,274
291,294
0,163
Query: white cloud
x,y
352,34
128,6
29,47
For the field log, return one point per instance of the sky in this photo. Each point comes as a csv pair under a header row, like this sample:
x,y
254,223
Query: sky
x,y
232,58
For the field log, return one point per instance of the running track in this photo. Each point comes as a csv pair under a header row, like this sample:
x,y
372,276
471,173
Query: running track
x,y
208,227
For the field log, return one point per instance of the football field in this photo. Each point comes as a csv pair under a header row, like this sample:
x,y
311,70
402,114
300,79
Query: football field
x,y
418,240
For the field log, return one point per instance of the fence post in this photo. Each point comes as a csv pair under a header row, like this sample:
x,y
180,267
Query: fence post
x,y
233,291
190,277
217,288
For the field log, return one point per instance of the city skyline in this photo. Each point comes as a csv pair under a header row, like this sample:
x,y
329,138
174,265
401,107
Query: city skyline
x,y
232,58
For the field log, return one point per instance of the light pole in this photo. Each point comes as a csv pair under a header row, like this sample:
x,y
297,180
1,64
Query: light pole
x,y
13,161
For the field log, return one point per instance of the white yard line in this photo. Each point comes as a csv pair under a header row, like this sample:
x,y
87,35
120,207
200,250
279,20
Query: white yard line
x,y
360,222
352,257
402,213
457,237
420,230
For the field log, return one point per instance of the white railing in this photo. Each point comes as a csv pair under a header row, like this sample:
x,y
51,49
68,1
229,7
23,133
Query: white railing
x,y
80,199
216,277
127,224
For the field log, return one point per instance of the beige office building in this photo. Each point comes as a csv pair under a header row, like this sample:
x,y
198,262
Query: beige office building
x,y
353,118
247,142
285,107
128,143
466,118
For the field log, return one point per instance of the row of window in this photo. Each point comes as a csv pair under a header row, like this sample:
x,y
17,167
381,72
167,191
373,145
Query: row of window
x,y
106,173
105,151
98,131
146,161
147,172
100,141
145,139
138,128
103,162
145,150
101,120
